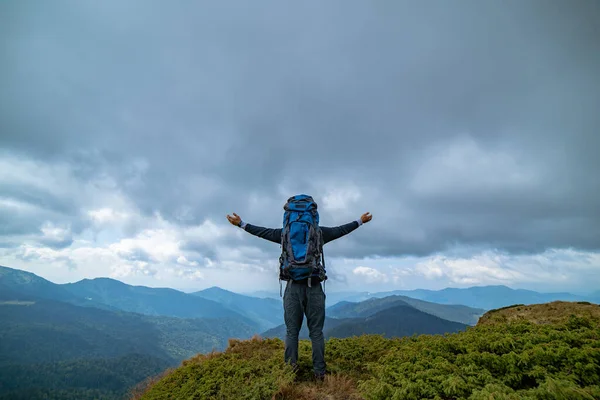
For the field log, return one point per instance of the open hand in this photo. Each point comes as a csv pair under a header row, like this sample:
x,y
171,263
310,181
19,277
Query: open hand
x,y
366,217
235,220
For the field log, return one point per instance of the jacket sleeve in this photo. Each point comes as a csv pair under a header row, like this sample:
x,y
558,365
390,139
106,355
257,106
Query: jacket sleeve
x,y
337,232
270,234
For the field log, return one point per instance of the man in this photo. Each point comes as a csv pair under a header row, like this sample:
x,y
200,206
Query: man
x,y
300,298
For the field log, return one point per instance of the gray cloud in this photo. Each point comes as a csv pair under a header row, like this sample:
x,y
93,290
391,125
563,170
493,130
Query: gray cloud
x,y
64,261
56,243
468,125
199,251
136,254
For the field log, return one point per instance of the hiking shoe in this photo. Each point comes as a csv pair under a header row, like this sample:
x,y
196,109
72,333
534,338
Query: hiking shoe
x,y
320,377
295,368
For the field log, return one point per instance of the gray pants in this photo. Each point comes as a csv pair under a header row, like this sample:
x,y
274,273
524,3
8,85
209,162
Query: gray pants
x,y
300,300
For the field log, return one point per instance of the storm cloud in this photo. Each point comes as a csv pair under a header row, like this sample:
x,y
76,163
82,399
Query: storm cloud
x,y
464,127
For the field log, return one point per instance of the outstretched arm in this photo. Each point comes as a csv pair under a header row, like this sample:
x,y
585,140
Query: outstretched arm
x,y
337,232
270,234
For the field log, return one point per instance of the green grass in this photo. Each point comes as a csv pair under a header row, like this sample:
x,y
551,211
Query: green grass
x,y
515,359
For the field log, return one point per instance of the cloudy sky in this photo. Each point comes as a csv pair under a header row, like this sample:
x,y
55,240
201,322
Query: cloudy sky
x,y
469,129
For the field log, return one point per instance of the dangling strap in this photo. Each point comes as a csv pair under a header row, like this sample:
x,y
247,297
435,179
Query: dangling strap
x,y
323,260
280,295
322,252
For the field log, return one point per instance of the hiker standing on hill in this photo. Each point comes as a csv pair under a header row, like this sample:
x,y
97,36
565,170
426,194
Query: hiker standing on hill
x,y
302,265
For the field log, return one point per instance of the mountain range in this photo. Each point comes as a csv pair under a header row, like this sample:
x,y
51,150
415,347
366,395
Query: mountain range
x,y
456,313
87,329
56,331
265,313
389,316
488,297
396,321
482,297
84,340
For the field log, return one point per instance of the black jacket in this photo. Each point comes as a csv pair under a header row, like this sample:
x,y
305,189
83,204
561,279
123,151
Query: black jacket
x,y
274,235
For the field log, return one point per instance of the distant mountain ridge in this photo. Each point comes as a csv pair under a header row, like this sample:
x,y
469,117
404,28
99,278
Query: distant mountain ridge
x,y
266,312
220,302
149,301
482,297
53,331
486,297
26,285
595,297
456,313
113,295
392,319
397,321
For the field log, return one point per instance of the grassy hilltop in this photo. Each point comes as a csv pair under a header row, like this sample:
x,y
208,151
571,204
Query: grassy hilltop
x,y
544,351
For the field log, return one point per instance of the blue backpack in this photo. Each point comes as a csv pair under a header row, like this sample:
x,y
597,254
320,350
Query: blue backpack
x,y
301,241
